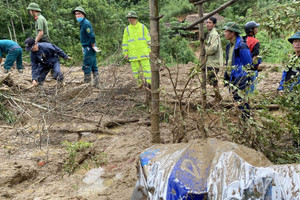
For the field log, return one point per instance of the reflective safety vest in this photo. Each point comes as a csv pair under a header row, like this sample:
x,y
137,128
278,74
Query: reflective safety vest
x,y
136,42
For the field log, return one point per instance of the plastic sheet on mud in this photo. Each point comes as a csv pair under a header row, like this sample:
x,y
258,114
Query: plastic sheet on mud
x,y
213,169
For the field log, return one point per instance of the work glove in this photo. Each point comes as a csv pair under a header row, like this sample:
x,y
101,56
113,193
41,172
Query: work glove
x,y
96,49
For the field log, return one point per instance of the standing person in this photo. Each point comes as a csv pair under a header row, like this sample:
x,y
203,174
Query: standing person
x,y
44,57
136,49
290,76
13,53
41,24
238,59
213,50
251,29
89,48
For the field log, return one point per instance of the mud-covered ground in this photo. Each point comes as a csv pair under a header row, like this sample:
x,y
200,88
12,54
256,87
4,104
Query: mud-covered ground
x,y
114,117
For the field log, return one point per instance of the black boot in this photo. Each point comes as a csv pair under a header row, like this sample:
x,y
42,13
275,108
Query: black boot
x,y
96,79
87,78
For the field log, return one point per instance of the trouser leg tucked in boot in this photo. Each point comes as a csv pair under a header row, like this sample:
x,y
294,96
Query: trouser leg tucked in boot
x,y
87,78
96,78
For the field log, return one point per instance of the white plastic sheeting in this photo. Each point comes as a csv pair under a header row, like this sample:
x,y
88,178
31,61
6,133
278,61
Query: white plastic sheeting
x,y
213,169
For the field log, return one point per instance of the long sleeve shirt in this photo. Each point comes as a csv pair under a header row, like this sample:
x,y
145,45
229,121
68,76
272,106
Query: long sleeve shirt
x,y
213,50
136,42
87,36
45,57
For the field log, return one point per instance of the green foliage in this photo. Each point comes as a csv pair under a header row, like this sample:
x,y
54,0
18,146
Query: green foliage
x,y
273,50
273,133
73,149
164,113
6,114
278,18
175,8
291,104
174,47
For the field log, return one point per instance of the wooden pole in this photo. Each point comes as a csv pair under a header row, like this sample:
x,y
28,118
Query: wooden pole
x,y
202,57
203,66
212,13
154,60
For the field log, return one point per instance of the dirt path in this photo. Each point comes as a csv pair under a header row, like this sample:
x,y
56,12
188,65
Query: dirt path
x,y
32,153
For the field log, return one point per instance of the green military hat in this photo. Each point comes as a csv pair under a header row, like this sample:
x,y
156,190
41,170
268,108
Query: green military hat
x,y
232,27
34,6
296,36
131,14
80,9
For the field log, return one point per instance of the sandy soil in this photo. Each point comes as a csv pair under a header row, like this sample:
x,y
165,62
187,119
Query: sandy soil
x,y
32,153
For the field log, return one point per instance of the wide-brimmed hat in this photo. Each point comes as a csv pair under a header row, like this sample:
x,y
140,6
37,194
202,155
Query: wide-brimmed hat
x,y
296,36
231,26
34,6
80,9
131,14
29,42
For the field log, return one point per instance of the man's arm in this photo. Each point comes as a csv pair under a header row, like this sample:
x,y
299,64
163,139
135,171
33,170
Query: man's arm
x,y
125,44
213,45
281,84
60,52
39,36
89,30
245,57
148,38
35,70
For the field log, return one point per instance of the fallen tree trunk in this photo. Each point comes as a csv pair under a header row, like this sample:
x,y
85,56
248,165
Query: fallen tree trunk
x,y
119,122
211,13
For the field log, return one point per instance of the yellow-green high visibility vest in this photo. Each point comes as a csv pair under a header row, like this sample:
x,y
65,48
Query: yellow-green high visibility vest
x,y
136,42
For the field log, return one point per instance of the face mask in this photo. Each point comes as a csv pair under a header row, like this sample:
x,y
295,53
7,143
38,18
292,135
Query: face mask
x,y
79,19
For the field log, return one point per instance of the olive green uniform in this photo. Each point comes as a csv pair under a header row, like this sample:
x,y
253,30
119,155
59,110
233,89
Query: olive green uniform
x,y
41,24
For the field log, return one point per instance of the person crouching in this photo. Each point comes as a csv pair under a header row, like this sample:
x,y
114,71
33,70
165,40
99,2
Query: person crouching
x,y
44,57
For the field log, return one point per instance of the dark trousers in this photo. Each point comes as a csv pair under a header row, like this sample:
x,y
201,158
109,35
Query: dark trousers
x,y
57,75
242,83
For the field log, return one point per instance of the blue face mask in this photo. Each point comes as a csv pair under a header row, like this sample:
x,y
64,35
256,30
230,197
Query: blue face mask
x,y
79,19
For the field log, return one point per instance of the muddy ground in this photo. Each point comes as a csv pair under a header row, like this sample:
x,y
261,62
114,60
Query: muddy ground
x,y
114,117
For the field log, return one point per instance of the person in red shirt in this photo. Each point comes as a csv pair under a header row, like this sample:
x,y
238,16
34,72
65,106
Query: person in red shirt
x,y
251,28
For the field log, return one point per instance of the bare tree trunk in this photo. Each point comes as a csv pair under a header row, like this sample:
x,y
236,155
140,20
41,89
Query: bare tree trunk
x,y
202,56
154,59
14,31
203,68
8,24
22,25
9,32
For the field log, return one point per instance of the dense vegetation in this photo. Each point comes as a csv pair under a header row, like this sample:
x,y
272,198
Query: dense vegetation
x,y
278,19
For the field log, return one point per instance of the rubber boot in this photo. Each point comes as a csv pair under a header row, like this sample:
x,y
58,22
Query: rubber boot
x,y
96,79
87,78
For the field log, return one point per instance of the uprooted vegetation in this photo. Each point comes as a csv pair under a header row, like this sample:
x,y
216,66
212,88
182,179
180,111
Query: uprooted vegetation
x,y
53,134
